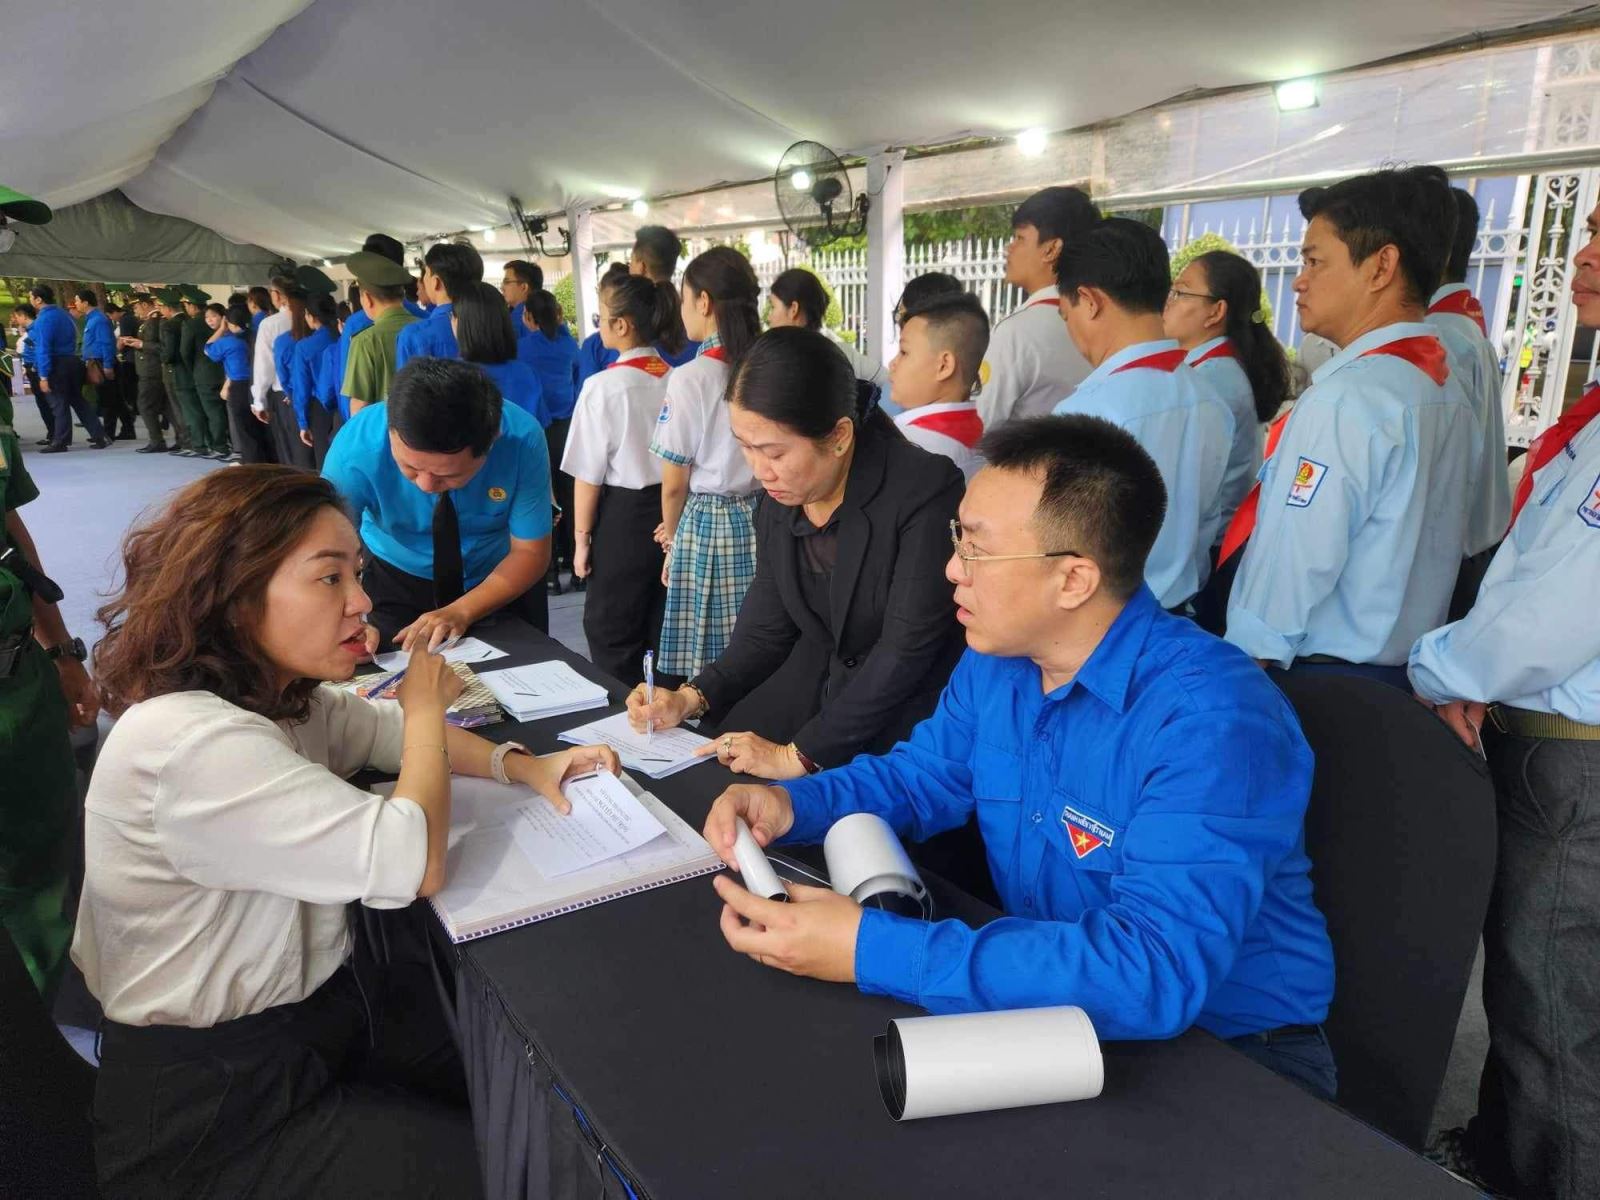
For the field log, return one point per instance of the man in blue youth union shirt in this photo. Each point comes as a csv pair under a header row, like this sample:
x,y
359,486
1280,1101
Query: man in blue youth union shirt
x,y
1140,786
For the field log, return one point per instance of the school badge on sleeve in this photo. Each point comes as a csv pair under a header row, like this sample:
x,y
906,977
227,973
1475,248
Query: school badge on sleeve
x,y
1308,476
1589,510
1086,834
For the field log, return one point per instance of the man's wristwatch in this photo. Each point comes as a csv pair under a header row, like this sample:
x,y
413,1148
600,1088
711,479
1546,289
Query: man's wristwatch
x,y
75,649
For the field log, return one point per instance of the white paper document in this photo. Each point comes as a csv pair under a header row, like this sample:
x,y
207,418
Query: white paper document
x,y
467,650
665,753
546,689
605,821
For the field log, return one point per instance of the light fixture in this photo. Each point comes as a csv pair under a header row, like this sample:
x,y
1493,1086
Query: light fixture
x,y
490,234
641,207
1297,95
801,180
1032,142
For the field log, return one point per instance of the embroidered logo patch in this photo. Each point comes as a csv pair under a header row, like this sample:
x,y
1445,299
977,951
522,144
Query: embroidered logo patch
x,y
1307,479
1087,834
664,415
497,493
1589,510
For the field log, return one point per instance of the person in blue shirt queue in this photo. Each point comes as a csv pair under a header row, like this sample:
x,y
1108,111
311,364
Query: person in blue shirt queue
x,y
291,448
100,360
314,420
229,345
518,281
1214,311
1140,786
1522,669
447,268
452,490
485,337
616,503
546,344
1113,282
53,339
655,255
593,355
330,373
1361,512
259,301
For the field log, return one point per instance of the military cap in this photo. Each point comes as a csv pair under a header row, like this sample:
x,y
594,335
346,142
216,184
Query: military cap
x,y
374,270
314,280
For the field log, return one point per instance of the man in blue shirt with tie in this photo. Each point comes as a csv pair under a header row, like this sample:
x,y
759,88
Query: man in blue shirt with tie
x,y
1140,787
54,341
447,267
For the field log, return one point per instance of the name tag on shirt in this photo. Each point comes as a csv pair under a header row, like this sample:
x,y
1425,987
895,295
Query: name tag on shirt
x,y
1307,479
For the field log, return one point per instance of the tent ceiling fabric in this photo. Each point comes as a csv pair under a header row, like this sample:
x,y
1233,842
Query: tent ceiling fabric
x,y
344,116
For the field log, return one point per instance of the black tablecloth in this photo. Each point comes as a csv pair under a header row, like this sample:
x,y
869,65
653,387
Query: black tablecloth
x,y
624,1046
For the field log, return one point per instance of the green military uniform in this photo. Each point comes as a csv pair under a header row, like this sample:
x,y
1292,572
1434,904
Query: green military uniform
x,y
208,383
370,367
204,434
38,779
152,390
171,351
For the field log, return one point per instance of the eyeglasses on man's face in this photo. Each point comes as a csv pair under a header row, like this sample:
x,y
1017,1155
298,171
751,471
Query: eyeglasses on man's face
x,y
968,555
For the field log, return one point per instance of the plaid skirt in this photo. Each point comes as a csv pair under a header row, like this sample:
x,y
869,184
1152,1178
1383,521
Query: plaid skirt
x,y
713,561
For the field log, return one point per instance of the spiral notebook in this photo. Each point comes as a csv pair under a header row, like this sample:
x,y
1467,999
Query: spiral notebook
x,y
492,884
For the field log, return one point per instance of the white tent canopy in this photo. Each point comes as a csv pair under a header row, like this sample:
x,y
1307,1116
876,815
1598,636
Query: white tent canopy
x,y
303,126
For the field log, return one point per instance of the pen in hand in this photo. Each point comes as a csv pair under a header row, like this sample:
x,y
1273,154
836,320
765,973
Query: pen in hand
x,y
649,693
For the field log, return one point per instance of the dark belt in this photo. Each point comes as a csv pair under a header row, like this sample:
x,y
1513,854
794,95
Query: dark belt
x,y
12,648
1527,723
1268,1036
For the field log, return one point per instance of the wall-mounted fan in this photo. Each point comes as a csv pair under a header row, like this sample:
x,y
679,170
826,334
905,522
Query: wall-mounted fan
x,y
814,195
532,231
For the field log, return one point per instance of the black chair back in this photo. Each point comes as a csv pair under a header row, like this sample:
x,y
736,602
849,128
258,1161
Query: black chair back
x,y
1401,835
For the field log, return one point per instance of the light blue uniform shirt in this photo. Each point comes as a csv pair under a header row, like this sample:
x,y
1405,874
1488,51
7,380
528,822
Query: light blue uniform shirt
x,y
430,338
508,498
1144,827
1531,639
1476,367
1217,371
1147,390
1363,511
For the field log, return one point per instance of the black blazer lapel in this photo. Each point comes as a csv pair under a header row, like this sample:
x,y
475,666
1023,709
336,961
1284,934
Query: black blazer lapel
x,y
855,530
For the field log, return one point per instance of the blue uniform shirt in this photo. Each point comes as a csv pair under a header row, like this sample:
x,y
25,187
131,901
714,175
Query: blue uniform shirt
x,y
1531,640
53,338
555,362
283,359
255,323
233,352
430,338
1144,827
326,385
98,339
305,356
1476,366
1147,390
520,386
508,498
1363,509
1217,370
415,309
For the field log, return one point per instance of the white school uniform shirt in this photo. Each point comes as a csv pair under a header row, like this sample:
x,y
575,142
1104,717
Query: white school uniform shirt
x,y
1363,508
264,370
1216,369
692,429
1456,314
615,417
222,849
1530,639
1031,365
950,429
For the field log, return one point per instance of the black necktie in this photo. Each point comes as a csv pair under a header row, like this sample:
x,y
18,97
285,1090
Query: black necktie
x,y
448,574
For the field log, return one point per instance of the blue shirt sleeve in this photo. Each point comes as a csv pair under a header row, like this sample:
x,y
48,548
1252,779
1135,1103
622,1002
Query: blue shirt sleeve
x,y
405,348
302,378
530,507
44,332
343,469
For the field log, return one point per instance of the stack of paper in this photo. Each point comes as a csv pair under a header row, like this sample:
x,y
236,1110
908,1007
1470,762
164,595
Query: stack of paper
x,y
475,705
463,650
547,689
663,753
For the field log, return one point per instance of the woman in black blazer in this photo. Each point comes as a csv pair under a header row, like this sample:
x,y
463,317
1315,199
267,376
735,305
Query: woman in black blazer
x,y
848,633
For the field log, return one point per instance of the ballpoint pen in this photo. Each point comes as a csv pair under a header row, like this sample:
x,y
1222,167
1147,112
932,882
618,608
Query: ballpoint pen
x,y
649,692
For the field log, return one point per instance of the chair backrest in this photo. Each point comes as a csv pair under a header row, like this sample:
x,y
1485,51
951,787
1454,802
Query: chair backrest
x,y
46,1091
1401,835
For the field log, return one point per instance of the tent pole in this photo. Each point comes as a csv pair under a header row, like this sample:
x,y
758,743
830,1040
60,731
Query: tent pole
x,y
583,272
886,249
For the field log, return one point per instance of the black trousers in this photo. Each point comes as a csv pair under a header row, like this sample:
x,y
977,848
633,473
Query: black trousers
x,y
66,398
285,432
399,598
561,490
346,1093
250,439
622,612
109,395
324,425
128,393
41,402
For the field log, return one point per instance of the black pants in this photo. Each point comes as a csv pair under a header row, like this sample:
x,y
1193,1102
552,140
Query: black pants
x,y
561,491
41,402
250,440
66,398
399,598
284,431
347,1093
109,395
324,425
128,394
622,613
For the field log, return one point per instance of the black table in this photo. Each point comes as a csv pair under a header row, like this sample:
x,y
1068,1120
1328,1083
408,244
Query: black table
x,y
625,1046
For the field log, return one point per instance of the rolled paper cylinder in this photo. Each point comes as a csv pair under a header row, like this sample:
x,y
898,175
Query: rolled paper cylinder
x,y
867,863
977,1062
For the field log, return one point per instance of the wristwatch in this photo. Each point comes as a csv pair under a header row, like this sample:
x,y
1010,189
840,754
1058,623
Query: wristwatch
x,y
497,759
74,649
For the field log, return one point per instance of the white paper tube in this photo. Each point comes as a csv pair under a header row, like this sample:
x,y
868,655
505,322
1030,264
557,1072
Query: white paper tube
x,y
757,872
975,1062
867,862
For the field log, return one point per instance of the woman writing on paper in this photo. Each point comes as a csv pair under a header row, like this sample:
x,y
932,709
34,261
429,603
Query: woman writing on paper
x,y
240,1054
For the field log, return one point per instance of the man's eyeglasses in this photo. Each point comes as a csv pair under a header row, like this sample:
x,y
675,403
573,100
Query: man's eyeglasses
x,y
967,554
1175,295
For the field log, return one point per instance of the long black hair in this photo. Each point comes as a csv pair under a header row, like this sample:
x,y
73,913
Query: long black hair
x,y
1236,282
800,286
322,306
652,307
545,310
726,276
483,324
799,379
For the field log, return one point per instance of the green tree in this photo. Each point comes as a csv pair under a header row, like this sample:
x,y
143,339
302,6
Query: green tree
x,y
1205,244
565,290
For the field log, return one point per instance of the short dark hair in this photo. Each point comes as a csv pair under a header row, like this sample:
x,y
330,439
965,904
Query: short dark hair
x,y
386,292
1057,212
526,272
113,305
237,314
1101,494
799,379
484,333
800,286
88,297
957,324
1409,208
1466,239
222,310
456,264
1125,259
43,293
388,247
545,312
659,249
443,406
26,310
924,288
262,299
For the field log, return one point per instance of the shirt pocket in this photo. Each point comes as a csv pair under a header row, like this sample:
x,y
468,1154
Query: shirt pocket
x,y
997,793
1085,839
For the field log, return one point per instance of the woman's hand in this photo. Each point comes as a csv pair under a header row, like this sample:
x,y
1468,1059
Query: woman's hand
x,y
371,636
662,537
747,754
305,438
545,773
429,684
669,709
580,560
